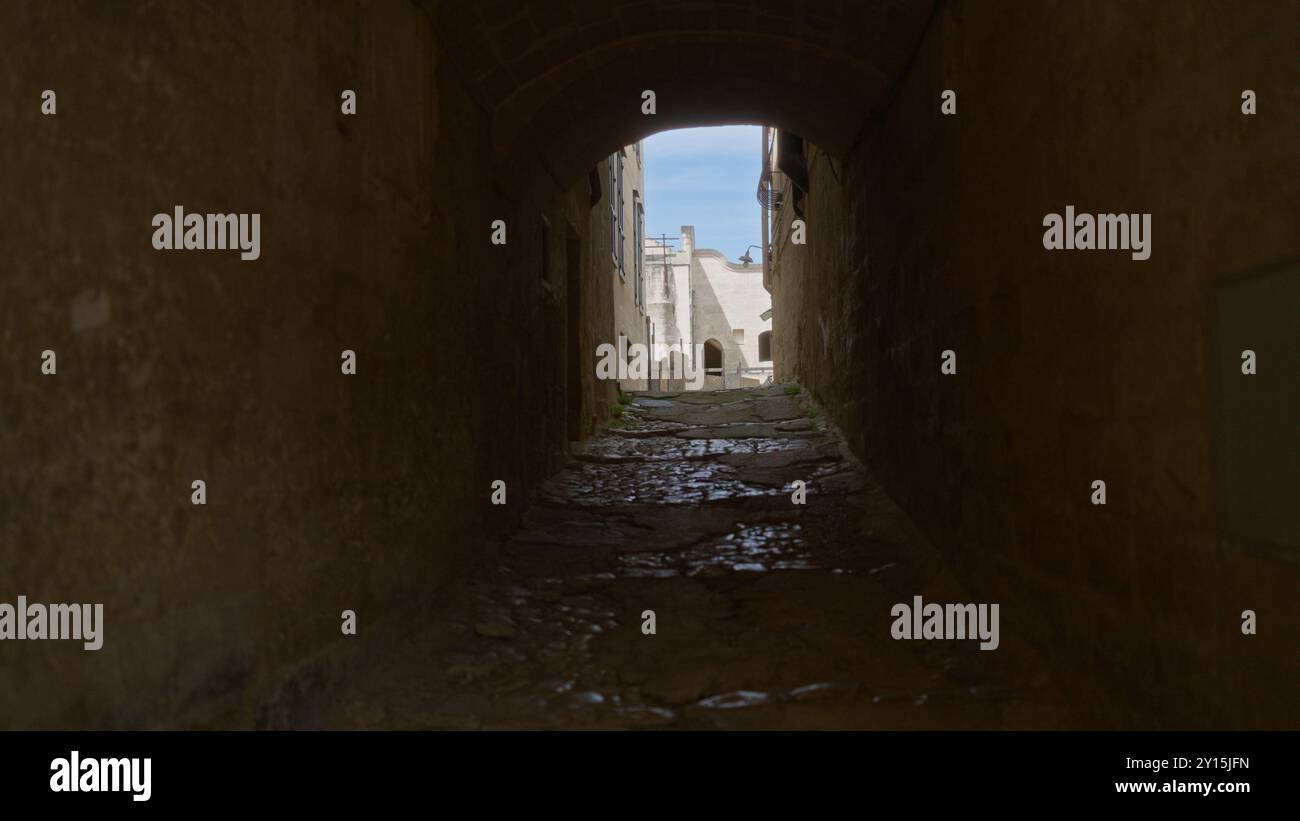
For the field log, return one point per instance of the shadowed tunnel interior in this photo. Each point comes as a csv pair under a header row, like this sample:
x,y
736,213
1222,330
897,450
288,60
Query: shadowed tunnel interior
x,y
372,492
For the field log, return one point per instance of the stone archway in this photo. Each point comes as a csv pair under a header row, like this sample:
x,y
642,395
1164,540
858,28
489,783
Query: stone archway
x,y
572,85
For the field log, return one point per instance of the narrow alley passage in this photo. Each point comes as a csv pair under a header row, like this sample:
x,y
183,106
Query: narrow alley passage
x,y
768,614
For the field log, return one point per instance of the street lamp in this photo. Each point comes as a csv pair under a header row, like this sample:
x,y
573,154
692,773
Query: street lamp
x,y
745,258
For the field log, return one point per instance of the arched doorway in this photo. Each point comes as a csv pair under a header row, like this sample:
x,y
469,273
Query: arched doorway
x,y
714,375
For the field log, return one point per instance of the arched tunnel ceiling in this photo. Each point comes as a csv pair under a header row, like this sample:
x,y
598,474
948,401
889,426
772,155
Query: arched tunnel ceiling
x,y
566,78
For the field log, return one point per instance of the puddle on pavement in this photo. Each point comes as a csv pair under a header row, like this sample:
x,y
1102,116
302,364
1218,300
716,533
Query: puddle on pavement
x,y
650,482
750,549
542,640
668,448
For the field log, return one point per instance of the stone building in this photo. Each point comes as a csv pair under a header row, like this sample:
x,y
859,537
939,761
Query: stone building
x,y
697,295
623,207
668,288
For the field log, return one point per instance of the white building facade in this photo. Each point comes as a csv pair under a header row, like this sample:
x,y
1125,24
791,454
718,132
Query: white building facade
x,y
696,296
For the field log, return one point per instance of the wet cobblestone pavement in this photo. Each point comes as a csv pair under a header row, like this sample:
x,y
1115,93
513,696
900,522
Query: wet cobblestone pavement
x,y
768,614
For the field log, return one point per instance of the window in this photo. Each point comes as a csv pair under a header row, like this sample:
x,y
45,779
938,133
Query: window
x,y
614,204
638,249
1255,432
765,346
619,251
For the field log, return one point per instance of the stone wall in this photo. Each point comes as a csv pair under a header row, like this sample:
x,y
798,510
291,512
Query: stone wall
x,y
325,492
629,315
1072,366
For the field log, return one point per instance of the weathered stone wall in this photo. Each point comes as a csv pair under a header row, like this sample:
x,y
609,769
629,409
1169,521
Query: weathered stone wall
x,y
629,316
1073,366
325,492
600,306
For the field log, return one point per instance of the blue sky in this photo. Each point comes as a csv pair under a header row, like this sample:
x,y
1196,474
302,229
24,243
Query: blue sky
x,y
706,177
